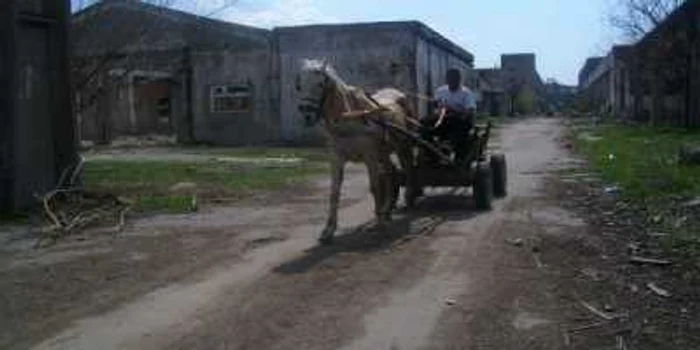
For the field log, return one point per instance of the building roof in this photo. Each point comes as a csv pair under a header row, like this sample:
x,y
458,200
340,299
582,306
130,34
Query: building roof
x,y
177,29
163,11
588,68
417,27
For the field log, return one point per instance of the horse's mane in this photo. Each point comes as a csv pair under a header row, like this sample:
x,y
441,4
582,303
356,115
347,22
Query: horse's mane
x,y
326,69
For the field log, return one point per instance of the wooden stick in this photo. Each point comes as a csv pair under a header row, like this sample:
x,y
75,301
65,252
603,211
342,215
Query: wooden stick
x,y
601,314
643,260
415,138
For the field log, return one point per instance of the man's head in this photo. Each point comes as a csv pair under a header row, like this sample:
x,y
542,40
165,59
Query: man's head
x,y
453,78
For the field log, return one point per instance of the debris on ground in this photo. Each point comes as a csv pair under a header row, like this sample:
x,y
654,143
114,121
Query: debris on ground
x,y
691,203
601,314
658,234
183,188
538,261
658,290
518,242
651,261
611,189
689,155
68,208
450,302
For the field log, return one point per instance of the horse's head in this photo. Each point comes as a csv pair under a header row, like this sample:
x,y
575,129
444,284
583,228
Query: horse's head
x,y
311,84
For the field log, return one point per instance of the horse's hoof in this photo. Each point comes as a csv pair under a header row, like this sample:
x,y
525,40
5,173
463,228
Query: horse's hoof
x,y
326,240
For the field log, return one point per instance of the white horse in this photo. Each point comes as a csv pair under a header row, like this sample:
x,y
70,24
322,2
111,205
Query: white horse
x,y
355,125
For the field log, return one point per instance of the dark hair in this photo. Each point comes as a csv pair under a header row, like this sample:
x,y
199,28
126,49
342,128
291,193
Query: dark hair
x,y
454,71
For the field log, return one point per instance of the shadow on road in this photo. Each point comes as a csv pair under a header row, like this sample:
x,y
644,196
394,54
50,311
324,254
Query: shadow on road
x,y
429,213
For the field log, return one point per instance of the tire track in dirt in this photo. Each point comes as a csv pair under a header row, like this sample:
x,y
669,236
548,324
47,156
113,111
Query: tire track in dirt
x,y
417,289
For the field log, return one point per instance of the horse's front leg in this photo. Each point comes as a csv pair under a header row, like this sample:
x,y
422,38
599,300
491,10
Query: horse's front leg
x,y
387,176
337,174
406,159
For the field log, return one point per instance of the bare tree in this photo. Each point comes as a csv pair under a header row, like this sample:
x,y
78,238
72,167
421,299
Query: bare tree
x,y
119,42
636,17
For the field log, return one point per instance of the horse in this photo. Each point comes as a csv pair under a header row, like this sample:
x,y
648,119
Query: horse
x,y
355,125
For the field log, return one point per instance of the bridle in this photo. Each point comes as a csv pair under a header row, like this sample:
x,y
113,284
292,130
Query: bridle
x,y
312,108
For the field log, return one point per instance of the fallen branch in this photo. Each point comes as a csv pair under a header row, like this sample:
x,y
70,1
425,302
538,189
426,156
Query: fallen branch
x,y
601,314
658,290
68,208
587,327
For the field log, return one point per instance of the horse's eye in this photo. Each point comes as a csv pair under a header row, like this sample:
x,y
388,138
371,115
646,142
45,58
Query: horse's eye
x,y
297,83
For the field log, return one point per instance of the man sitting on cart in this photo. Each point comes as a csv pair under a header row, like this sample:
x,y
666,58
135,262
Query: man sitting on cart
x,y
456,113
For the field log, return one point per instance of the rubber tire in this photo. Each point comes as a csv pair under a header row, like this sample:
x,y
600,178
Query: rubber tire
x,y
500,175
483,186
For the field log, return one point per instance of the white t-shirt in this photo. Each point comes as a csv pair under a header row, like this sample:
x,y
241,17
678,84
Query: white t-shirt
x,y
461,100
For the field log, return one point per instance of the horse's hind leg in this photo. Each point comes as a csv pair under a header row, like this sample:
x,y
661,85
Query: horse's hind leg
x,y
406,158
387,188
337,174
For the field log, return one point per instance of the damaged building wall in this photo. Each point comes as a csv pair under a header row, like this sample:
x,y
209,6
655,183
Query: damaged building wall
x,y
142,56
37,137
234,98
406,55
371,56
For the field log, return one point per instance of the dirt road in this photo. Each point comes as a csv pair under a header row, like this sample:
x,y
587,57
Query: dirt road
x,y
252,277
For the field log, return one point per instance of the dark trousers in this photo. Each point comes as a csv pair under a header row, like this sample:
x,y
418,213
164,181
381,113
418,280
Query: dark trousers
x,y
454,129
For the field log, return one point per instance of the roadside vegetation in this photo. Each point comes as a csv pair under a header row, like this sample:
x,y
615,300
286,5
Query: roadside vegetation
x,y
641,166
181,186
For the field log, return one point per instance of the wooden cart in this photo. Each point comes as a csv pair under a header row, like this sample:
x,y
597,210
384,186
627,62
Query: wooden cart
x,y
435,166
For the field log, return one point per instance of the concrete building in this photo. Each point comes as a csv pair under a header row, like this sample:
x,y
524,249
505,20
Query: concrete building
x,y
585,71
664,71
559,96
656,80
514,88
492,98
406,55
604,82
143,69
221,83
522,83
36,125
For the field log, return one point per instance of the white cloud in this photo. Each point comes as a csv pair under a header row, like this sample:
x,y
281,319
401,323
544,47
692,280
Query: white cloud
x,y
279,13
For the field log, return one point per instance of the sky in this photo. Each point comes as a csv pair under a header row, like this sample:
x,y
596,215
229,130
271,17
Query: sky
x,y
562,33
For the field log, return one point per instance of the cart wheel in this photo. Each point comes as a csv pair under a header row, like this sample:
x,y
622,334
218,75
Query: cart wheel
x,y
483,186
500,175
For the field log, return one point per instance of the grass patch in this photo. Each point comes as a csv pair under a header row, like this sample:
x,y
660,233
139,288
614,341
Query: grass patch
x,y
309,154
150,184
641,160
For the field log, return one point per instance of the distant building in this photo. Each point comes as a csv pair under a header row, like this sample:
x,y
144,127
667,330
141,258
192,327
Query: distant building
x,y
221,83
492,97
559,96
664,71
604,82
514,88
36,125
656,80
585,72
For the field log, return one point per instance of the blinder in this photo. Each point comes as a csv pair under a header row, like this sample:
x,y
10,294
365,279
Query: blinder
x,y
312,108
